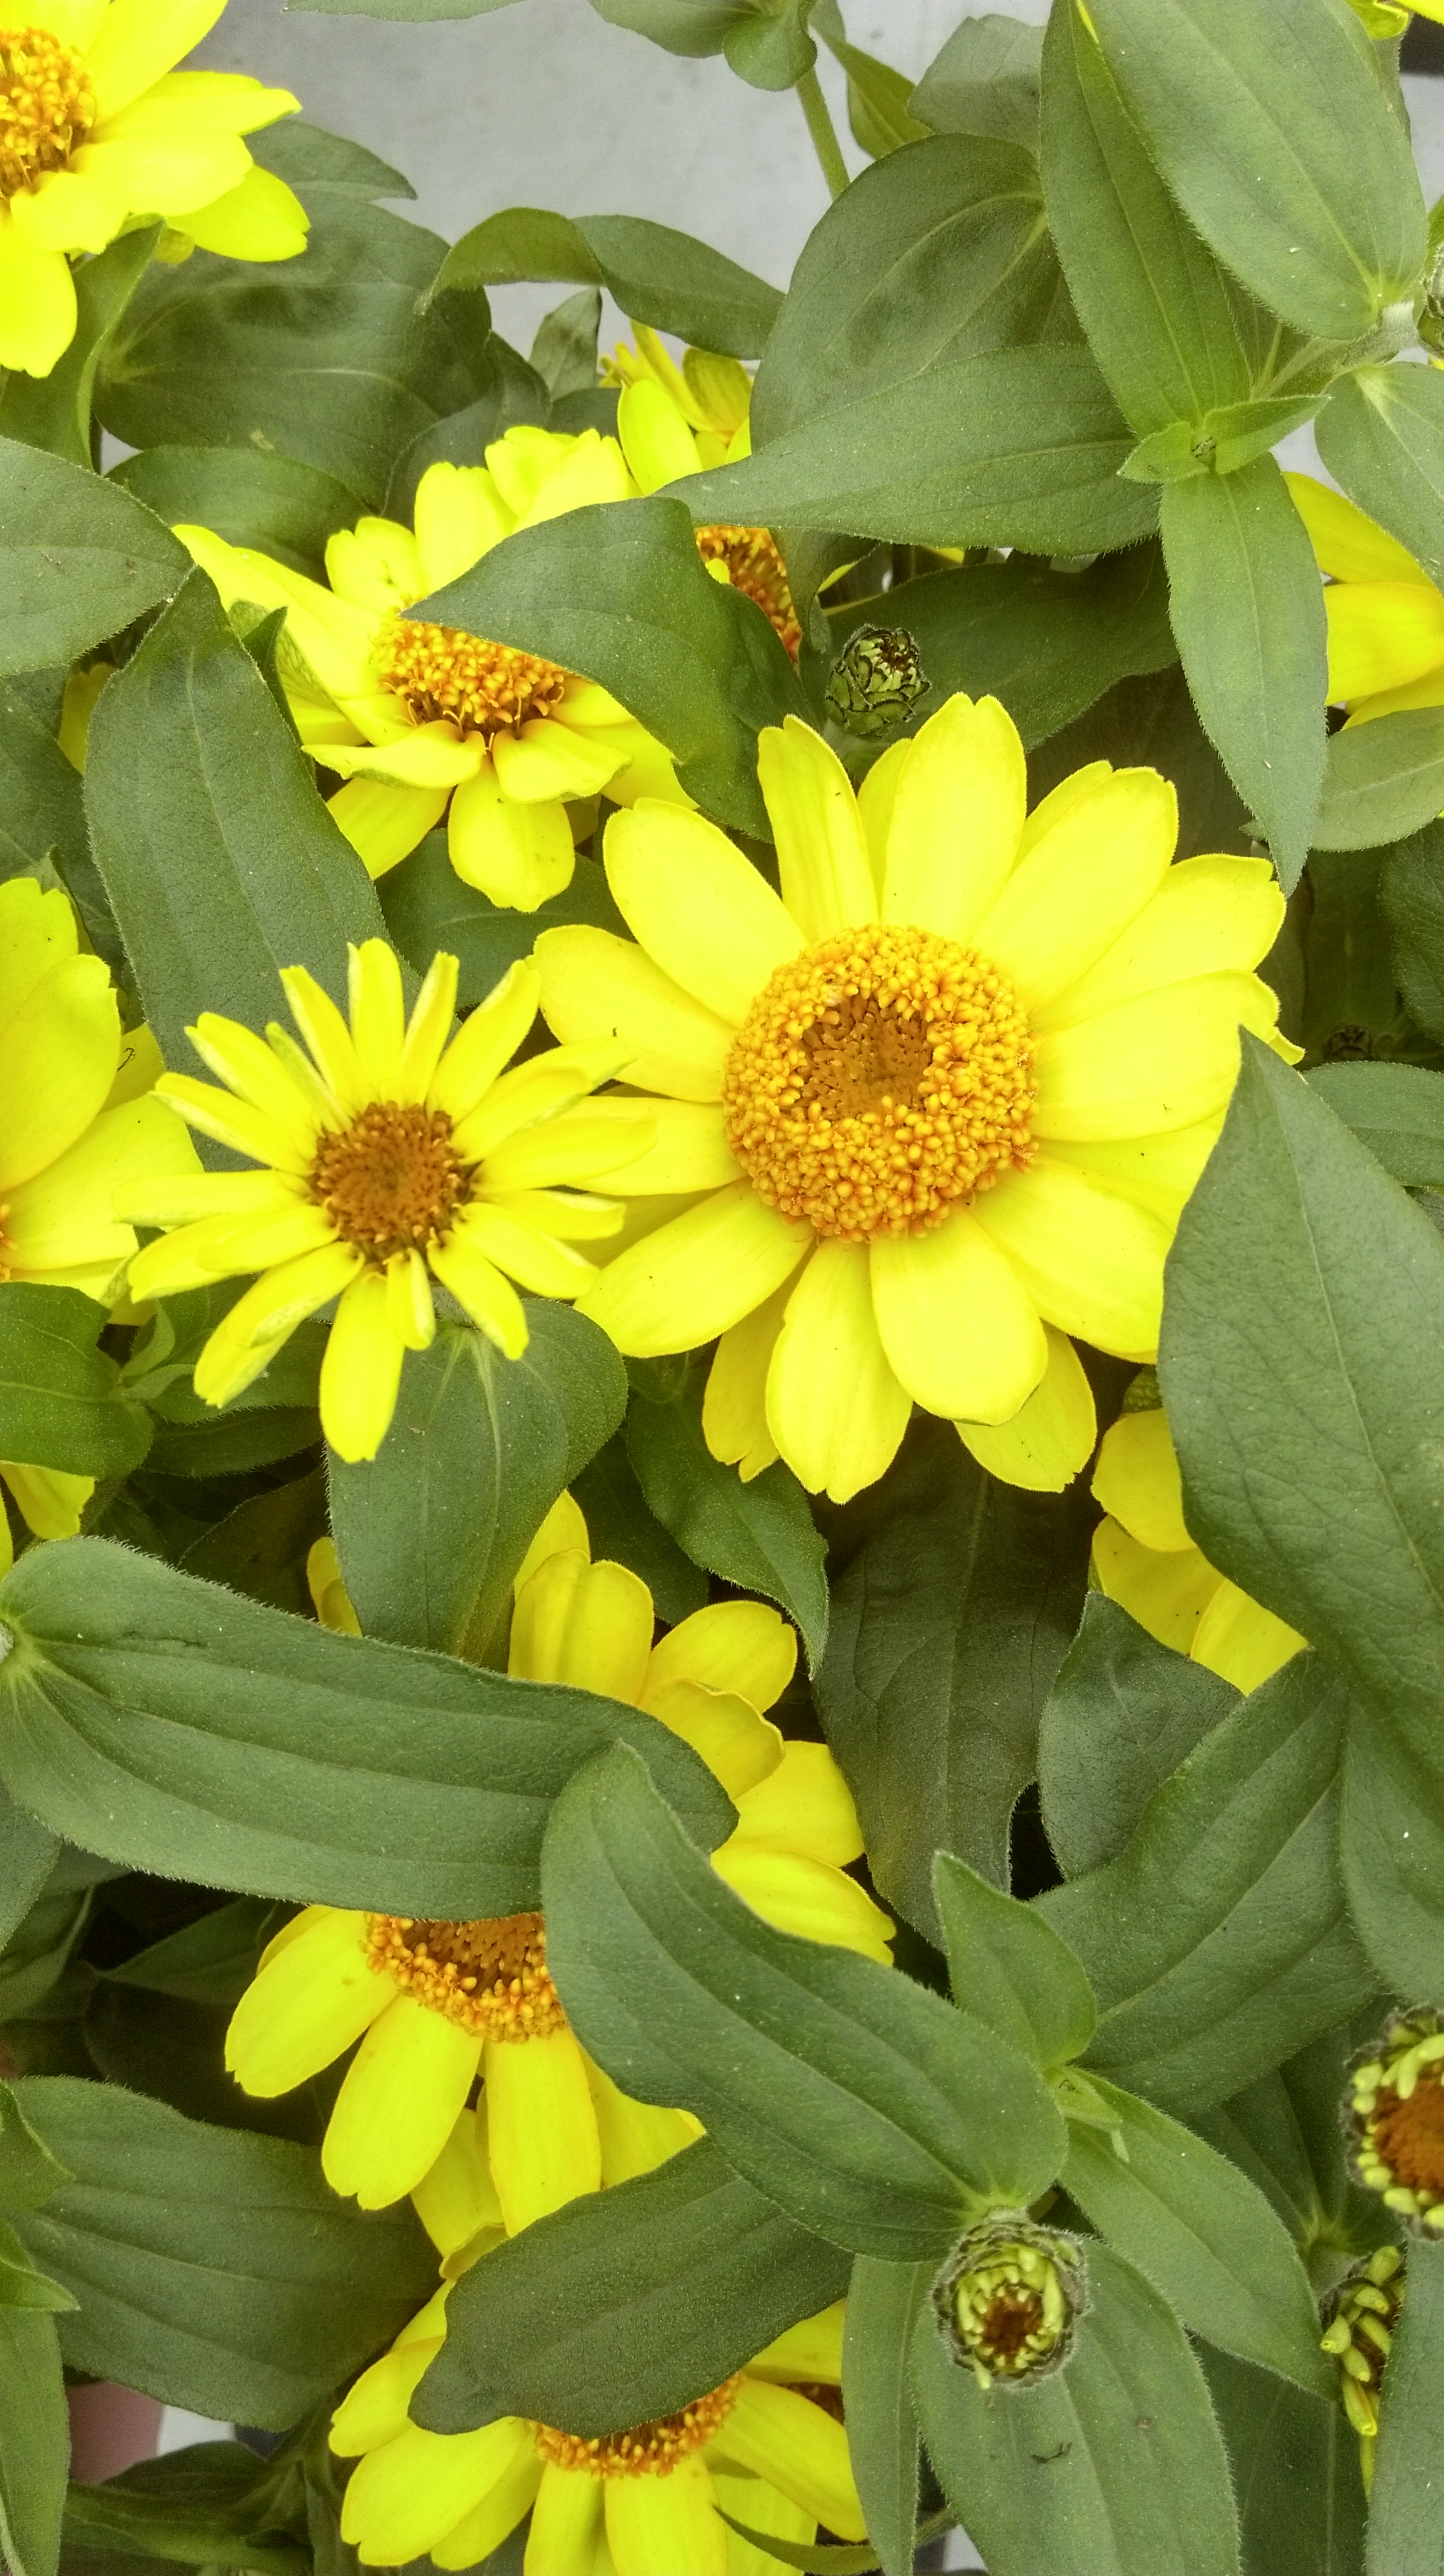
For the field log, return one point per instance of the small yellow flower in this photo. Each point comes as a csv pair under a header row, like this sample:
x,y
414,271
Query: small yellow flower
x,y
418,718
939,1103
440,2002
388,1155
674,421
1386,617
97,131
1144,1559
768,2447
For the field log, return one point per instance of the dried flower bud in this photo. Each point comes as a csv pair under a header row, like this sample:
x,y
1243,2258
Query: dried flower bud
x,y
1360,2316
1394,2119
876,681
1008,2298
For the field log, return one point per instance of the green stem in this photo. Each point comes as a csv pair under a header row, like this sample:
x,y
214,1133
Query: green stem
x,y
823,133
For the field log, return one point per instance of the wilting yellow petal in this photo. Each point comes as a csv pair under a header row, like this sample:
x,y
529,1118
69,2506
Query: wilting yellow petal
x,y
1137,1480
803,1805
1241,1640
1166,1593
725,1729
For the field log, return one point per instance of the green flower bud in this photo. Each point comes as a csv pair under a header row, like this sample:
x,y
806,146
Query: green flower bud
x,y
876,681
1360,2316
1394,2119
1008,2298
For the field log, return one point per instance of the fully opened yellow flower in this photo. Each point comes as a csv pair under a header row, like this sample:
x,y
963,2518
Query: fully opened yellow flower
x,y
1386,618
97,130
418,718
941,1101
768,2448
1144,1559
388,1154
440,2002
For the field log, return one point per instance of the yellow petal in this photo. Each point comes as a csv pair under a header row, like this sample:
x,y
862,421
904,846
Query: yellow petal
x,y
539,1262
1137,1480
737,1745
753,2501
1081,883
68,210
333,1604
139,40
541,2128
306,2005
378,1015
958,1327
835,1407
734,1402
783,2437
812,2349
488,1038
477,1284
238,1057
541,1088
376,564
58,1053
580,1145
1349,545
166,168
1050,1437
431,755
546,760
50,1501
37,933
806,1897
656,441
692,1278
409,2494
259,219
1382,634
385,823
374,2409
1165,1059
403,2092
1166,1593
739,1646
1209,914
460,516
361,1369
1241,1640
233,1122
636,2137
822,855
62,1218
586,1624
700,910
958,811
1092,1263
688,1148
38,311
1157,1172
247,1340
517,855
803,1805
326,1035
472,2541
410,1311
565,1528
666,2523
596,985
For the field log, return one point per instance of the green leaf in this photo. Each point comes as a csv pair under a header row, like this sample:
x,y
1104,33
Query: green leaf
x,y
21,2286
1114,2465
177,1727
1411,891
1351,993
1273,129
432,1531
54,411
1382,781
770,46
215,2270
623,1527
261,1547
954,1600
689,27
248,495
1406,2502
79,559
1381,435
883,2305
42,821
1391,1837
625,2306
656,275
1296,2475
1019,447
1122,1716
1299,1344
759,1536
212,2504
28,1851
985,81
564,352
427,907
211,1961
862,2104
1202,2233
1218,1941
1397,1110
1009,1968
423,13
34,2442
62,1403
619,593
1149,295
219,859
1248,613
1223,442
29,2173
877,98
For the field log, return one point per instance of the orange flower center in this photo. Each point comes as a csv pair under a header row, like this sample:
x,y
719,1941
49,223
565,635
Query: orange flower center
x,y
391,1181
755,567
47,105
1408,2137
481,688
489,1976
648,2450
878,1079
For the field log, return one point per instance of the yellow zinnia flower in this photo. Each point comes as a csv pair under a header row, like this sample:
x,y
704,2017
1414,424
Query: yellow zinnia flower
x,y
49,1502
766,2447
941,1100
674,421
1386,617
440,2002
1144,1559
388,1154
98,131
417,718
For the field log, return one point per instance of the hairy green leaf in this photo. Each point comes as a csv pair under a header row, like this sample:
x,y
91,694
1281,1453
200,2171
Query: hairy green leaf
x,y
883,2305
79,559
759,1536
1381,435
1295,2463
1411,892
248,495
1406,2503
984,81
34,2441
1009,1968
1382,781
54,410
1397,1110
656,275
1122,1716
62,1401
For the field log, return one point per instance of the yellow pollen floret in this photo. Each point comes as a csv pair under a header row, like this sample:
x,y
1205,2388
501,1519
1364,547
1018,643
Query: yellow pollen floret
x,y
648,2450
755,567
390,1181
47,106
481,688
490,1976
878,1079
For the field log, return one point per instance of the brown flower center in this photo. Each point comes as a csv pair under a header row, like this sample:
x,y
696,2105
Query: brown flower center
x,y
1005,2332
391,1180
490,1976
1409,2136
481,688
879,1078
648,2450
47,105
755,567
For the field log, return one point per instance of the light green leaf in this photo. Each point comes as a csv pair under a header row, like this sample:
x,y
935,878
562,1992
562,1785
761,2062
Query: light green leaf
x,y
79,559
877,97
984,81
759,1536
1009,1968
34,2442
1397,1110
1122,1716
1383,780
883,2305
21,2286
1411,891
689,27
28,1852
62,1401
1223,442
425,13
656,275
1406,2503
1381,435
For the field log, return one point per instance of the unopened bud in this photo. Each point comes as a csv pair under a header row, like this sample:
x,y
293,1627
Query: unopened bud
x,y
1394,2119
1360,2317
876,681
1008,2298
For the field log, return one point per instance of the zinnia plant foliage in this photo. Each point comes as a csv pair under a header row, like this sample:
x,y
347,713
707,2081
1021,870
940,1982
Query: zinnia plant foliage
x,y
722,1324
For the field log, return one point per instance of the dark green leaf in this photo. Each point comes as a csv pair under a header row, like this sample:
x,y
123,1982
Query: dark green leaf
x,y
28,1851
427,907
1010,1969
1406,2503
1391,1834
248,495
984,81
950,1619
1122,1716
656,275
41,809
883,2305
1114,2466
1218,1941
1411,891
219,859
61,1400
211,1961
564,352
1382,780
1397,1110
1273,129
866,2107
623,1526
624,2307
1248,612
619,593
1295,2464
79,559
208,2505
34,2442
511,393
1152,722
432,1531
1381,435
759,1536
1284,2132
232,1444
261,1547
1351,993
214,2270
178,1727
54,411
174,2051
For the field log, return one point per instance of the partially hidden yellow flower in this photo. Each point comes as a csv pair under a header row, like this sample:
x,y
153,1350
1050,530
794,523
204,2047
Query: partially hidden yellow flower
x,y
939,1102
98,132
440,2002
768,2448
50,1503
1144,1559
674,421
418,719
1386,617
390,1152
